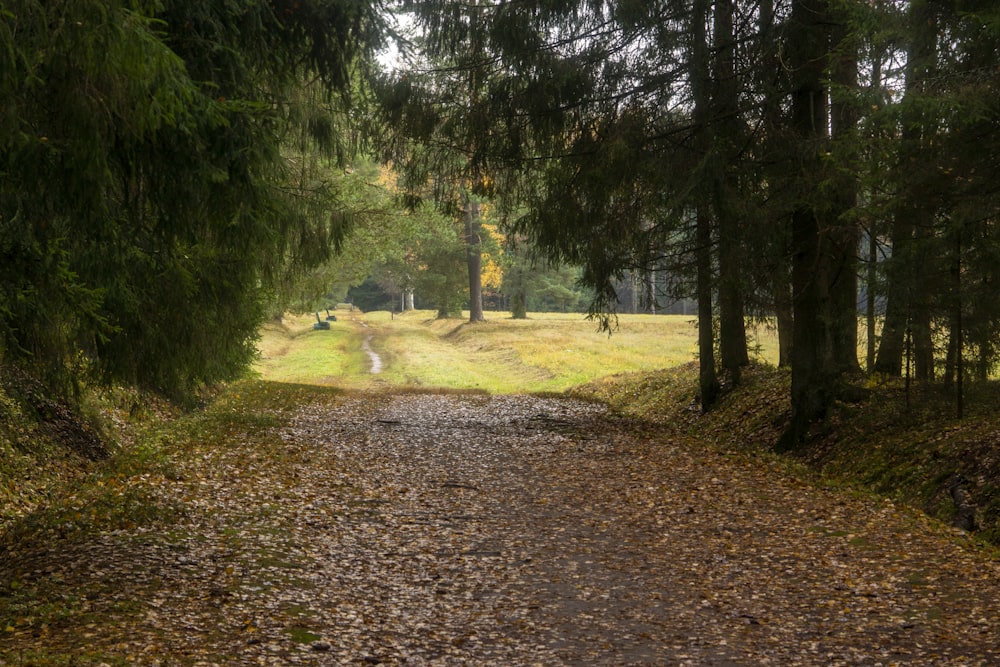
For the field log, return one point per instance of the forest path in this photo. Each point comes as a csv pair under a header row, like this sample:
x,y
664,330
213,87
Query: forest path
x,y
373,357
446,529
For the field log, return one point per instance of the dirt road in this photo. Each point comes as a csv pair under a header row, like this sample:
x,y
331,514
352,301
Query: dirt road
x,y
420,529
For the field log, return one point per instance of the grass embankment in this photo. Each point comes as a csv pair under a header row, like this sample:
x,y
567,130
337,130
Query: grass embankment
x,y
44,443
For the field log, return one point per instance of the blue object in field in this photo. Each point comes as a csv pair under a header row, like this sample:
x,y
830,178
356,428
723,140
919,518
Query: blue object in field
x,y
329,317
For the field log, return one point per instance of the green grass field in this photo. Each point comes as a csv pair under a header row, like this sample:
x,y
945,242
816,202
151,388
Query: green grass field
x,y
547,352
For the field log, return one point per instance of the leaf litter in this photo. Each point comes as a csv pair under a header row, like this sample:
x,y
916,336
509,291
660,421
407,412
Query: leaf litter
x,y
449,529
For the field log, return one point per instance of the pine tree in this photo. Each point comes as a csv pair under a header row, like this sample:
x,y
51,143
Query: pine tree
x,y
146,203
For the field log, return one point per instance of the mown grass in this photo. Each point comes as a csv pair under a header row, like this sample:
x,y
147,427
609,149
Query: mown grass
x,y
291,351
544,353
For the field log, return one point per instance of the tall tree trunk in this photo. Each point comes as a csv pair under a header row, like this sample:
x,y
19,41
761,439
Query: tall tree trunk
x,y
651,290
920,309
519,294
845,234
708,380
870,300
474,258
633,284
893,340
725,109
906,291
774,154
872,261
519,305
783,313
957,337
812,360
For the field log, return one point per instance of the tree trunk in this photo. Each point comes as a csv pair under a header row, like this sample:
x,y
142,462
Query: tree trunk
x,y
921,324
775,153
957,326
651,291
732,321
871,278
474,258
519,295
907,305
870,302
708,380
812,359
845,233
783,313
893,341
633,283
519,305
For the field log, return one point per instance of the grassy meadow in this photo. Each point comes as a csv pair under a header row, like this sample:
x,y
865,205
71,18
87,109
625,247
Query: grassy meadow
x,y
548,352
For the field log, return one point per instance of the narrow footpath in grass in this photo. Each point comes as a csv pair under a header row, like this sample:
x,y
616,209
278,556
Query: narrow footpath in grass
x,y
293,525
373,356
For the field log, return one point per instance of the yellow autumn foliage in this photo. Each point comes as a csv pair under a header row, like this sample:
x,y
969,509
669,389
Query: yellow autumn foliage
x,y
492,272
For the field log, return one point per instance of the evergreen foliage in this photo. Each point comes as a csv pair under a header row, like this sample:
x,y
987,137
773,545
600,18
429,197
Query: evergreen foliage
x,y
172,172
146,204
759,143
